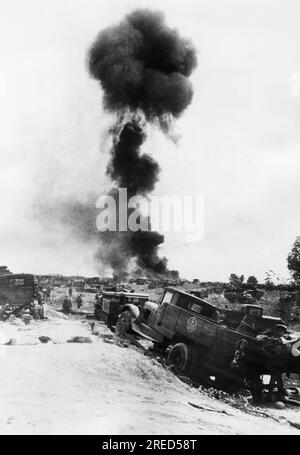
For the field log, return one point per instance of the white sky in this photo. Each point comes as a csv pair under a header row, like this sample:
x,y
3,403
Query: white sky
x,y
239,144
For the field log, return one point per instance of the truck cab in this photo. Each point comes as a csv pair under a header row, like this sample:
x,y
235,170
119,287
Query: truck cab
x,y
250,320
165,322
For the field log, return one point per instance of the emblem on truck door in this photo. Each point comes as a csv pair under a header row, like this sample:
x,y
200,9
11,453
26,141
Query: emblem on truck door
x,y
191,325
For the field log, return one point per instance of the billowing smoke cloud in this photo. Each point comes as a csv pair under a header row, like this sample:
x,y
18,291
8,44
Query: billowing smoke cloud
x,y
143,68
143,64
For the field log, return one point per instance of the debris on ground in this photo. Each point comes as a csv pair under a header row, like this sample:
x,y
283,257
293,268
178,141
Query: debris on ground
x,y
79,340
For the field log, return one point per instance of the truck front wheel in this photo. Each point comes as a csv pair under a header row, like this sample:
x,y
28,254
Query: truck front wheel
x,y
180,358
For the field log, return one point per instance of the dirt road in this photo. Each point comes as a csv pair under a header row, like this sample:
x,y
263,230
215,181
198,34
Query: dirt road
x,y
101,388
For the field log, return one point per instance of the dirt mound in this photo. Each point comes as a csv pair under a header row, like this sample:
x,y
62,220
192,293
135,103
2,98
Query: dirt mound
x,y
51,313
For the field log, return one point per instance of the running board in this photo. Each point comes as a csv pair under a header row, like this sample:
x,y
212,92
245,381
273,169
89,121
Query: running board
x,y
146,332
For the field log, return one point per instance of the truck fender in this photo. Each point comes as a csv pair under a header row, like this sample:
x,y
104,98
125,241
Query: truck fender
x,y
134,310
296,349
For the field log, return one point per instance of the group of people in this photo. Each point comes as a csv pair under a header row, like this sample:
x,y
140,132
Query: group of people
x,y
274,349
67,302
41,297
38,305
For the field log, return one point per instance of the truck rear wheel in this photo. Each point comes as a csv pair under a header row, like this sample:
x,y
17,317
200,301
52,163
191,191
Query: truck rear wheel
x,y
180,357
123,325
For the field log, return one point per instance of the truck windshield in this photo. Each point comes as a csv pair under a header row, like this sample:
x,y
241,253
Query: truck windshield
x,y
167,297
256,312
136,300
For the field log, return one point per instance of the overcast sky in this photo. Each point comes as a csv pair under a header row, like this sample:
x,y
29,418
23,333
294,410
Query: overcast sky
x,y
239,145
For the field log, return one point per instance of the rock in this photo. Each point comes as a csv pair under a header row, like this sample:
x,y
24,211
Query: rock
x,y
279,405
44,339
12,342
79,340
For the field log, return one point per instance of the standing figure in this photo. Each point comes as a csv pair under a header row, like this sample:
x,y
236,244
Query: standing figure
x,y
35,308
79,301
48,294
42,310
67,306
40,295
98,306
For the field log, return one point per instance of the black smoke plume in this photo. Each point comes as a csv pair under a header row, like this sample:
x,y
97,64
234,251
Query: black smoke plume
x,y
143,67
128,167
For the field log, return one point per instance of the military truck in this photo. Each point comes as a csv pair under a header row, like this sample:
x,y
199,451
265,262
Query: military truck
x,y
16,293
114,302
242,295
202,343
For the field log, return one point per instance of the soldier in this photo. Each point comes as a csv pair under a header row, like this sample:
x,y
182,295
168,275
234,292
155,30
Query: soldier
x,y
42,310
40,295
273,348
48,293
98,306
240,362
35,308
99,297
79,301
67,306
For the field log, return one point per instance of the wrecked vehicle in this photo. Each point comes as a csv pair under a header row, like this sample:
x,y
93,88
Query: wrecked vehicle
x,y
201,293
233,350
16,293
114,302
239,295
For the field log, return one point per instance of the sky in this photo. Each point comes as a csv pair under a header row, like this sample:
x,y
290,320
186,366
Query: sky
x,y
239,139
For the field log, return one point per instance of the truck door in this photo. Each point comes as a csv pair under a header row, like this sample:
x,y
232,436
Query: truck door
x,y
167,315
222,350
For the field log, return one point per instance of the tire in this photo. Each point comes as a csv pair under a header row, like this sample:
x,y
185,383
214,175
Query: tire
x,y
180,357
123,326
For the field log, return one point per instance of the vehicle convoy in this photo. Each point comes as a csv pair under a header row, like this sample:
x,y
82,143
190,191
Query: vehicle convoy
x,y
231,348
16,293
114,302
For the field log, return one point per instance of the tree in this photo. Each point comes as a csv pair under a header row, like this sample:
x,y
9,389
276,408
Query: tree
x,y
236,280
269,280
252,280
294,260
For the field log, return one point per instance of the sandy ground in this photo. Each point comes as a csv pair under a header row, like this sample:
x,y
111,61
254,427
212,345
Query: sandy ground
x,y
102,388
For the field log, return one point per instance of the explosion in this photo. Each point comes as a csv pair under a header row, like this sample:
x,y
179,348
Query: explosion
x,y
143,68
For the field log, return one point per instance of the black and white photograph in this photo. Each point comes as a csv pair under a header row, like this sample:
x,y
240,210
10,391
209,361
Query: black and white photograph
x,y
150,222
